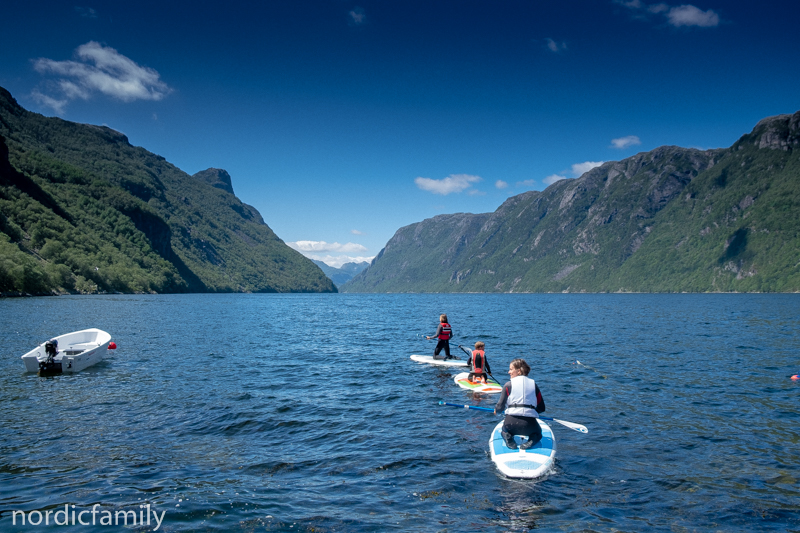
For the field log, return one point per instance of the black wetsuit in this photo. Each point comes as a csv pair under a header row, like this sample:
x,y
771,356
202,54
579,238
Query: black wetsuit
x,y
526,426
443,343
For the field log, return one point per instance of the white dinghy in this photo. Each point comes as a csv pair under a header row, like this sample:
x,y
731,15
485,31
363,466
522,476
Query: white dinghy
x,y
71,352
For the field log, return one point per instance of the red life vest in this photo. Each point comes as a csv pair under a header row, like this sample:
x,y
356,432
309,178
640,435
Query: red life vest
x,y
475,368
446,333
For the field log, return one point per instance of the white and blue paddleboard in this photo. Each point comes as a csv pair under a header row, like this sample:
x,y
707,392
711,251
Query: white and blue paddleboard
x,y
528,464
440,362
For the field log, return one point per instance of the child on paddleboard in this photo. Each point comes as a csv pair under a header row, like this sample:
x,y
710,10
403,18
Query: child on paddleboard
x,y
480,366
525,402
444,333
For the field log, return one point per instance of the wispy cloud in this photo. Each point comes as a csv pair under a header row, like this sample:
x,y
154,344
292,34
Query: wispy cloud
x,y
322,247
98,69
500,184
552,178
554,46
451,184
526,183
357,17
356,232
336,261
692,16
625,142
86,12
579,169
678,16
332,253
56,104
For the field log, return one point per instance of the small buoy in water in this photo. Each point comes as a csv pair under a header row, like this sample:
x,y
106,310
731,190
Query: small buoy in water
x,y
112,345
796,377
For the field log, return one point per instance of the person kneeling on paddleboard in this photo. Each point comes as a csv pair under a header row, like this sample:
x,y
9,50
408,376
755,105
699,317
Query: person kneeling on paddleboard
x,y
525,402
480,366
444,333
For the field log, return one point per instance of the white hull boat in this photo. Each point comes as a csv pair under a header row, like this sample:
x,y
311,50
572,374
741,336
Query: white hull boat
x,y
71,352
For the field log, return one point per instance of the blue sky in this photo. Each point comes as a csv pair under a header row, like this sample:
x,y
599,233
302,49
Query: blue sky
x,y
342,121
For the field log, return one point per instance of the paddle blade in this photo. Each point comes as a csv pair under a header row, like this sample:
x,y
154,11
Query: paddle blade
x,y
570,425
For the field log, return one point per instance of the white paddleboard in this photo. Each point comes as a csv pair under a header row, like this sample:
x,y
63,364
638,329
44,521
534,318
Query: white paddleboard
x,y
530,463
441,362
491,386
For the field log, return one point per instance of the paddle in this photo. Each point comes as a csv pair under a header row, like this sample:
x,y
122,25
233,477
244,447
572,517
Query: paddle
x,y
570,425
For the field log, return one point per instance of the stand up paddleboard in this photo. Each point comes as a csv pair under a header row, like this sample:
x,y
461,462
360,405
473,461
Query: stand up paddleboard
x,y
527,464
441,362
491,386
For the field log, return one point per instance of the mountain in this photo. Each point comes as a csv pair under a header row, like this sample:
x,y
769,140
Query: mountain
x,y
82,211
343,274
670,220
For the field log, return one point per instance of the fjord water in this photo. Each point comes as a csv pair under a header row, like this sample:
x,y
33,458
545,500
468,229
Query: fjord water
x,y
254,412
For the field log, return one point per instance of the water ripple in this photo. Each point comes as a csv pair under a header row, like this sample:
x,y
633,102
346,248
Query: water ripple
x,y
304,413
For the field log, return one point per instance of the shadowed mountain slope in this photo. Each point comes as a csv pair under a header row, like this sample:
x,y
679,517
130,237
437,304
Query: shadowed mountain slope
x,y
81,210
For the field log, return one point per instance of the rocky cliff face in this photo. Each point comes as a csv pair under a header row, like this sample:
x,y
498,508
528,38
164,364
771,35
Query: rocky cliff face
x,y
781,132
217,178
612,228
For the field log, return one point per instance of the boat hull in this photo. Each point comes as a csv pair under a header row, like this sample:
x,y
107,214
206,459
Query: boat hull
x,y
77,351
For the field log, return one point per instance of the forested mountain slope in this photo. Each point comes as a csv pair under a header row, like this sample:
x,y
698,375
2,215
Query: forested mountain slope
x,y
669,220
81,210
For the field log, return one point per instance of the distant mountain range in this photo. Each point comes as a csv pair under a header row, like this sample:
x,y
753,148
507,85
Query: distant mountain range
x,y
343,274
669,220
83,211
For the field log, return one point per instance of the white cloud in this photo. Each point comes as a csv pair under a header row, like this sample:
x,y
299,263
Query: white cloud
x,y
357,17
500,184
579,169
552,178
625,142
332,253
526,183
336,261
356,232
452,183
56,105
691,16
101,69
553,46
322,246
683,15
86,12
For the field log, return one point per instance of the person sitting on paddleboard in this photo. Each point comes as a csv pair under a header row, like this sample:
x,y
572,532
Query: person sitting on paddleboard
x,y
480,366
525,402
444,333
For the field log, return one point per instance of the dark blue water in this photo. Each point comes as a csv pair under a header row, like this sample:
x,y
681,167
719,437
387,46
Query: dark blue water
x,y
304,413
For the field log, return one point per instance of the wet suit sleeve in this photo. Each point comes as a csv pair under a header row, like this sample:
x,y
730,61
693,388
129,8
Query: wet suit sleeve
x,y
501,403
539,401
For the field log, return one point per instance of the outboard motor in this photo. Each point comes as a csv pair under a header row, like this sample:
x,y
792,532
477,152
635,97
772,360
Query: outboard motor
x,y
50,367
